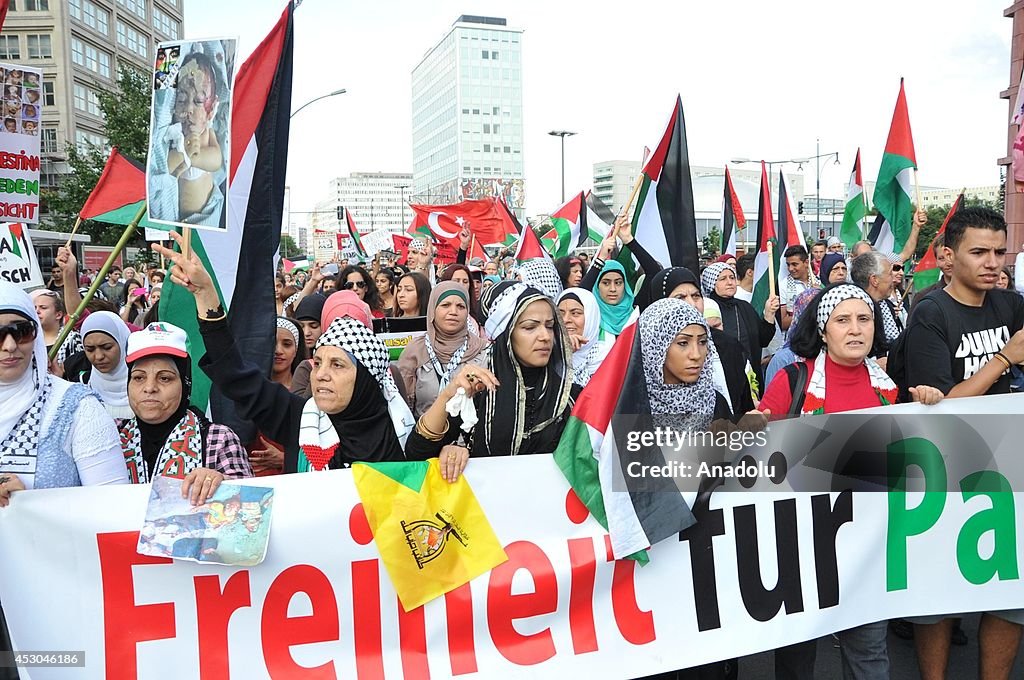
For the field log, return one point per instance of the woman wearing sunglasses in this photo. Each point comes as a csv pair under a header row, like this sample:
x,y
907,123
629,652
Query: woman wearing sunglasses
x,y
52,433
359,281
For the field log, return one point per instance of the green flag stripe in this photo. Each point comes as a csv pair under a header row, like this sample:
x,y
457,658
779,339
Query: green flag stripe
x,y
409,474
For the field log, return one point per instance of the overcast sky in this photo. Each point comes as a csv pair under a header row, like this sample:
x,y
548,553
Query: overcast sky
x,y
758,79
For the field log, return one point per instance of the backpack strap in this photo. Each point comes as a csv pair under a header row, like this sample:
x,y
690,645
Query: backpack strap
x,y
798,376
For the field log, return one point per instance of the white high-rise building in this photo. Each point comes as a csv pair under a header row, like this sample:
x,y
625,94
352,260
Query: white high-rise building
x,y
377,201
467,115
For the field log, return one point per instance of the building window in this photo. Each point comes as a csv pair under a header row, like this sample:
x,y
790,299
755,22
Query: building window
x,y
508,149
90,57
484,54
164,23
48,140
48,97
84,140
496,110
136,7
131,39
39,47
487,128
90,14
87,100
496,126
9,48
494,55
35,6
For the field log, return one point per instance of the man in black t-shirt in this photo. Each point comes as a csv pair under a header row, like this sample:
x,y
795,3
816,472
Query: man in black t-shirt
x,y
963,339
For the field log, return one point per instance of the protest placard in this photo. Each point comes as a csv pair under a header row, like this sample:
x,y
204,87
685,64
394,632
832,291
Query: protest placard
x,y
18,263
19,143
190,133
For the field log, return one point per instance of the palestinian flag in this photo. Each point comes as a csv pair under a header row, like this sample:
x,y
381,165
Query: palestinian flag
x,y
119,193
295,265
664,220
600,218
788,231
765,234
732,216
895,180
856,207
927,270
353,233
589,457
570,225
530,247
242,257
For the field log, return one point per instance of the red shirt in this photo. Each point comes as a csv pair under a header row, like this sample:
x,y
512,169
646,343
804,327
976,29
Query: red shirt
x,y
847,388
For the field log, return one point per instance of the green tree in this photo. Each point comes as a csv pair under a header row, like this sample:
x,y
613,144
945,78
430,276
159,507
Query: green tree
x,y
126,126
712,243
288,246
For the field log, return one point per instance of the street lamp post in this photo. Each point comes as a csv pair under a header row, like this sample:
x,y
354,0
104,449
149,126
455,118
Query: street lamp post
x,y
563,134
402,188
323,96
800,162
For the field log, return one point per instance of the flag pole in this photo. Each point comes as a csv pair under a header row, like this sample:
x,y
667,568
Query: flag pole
x,y
632,196
917,190
74,230
186,242
129,231
771,269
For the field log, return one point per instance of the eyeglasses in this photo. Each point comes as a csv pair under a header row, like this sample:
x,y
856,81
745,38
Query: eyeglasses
x,y
21,331
349,285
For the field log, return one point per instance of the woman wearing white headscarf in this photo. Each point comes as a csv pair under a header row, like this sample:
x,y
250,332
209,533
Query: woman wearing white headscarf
x,y
52,433
102,364
581,317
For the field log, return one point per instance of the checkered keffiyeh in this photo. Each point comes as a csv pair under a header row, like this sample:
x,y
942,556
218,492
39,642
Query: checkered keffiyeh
x,y
709,277
419,244
368,349
833,297
289,326
540,273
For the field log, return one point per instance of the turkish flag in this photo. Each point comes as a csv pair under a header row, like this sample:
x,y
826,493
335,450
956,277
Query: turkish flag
x,y
484,218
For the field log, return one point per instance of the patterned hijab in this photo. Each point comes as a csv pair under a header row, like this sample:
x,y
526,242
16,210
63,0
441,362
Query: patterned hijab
x,y
502,430
17,397
658,327
614,317
540,273
709,277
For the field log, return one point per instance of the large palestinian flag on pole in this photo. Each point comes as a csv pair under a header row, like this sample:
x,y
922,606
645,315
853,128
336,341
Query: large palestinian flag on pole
x,y
788,230
242,257
765,235
664,220
569,223
856,207
732,216
927,270
589,456
895,183
119,193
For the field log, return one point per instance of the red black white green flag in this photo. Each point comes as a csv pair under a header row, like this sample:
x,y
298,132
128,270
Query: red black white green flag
x,y
732,216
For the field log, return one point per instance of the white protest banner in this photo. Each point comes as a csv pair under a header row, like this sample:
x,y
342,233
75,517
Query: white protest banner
x,y
325,245
376,241
397,342
757,571
18,263
190,133
19,143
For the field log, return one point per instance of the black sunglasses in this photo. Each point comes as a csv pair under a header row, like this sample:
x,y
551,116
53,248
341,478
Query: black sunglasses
x,y
349,285
21,331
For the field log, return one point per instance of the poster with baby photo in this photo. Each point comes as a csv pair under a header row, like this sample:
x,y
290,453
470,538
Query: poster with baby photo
x,y
21,109
190,133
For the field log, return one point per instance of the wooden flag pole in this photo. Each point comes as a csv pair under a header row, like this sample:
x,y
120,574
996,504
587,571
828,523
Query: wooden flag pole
x,y
129,231
917,190
771,269
74,231
186,242
632,195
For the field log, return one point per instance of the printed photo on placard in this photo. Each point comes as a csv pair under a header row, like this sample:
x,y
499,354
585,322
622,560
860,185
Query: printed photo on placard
x,y
190,133
20,113
231,527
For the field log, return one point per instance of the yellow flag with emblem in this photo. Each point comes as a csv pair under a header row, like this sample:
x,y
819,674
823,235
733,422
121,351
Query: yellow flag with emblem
x,y
432,536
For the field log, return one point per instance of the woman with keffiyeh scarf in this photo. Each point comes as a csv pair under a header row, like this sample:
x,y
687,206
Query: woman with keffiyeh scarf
x,y
718,281
355,414
530,361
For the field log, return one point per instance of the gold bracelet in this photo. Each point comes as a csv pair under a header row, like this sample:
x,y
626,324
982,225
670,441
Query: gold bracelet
x,y
429,434
1002,357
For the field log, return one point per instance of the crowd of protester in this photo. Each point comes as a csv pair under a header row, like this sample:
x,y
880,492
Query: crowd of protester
x,y
507,350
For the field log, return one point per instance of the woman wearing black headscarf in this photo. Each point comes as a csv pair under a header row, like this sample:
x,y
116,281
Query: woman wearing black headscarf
x,y
731,363
531,362
166,436
718,281
345,421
